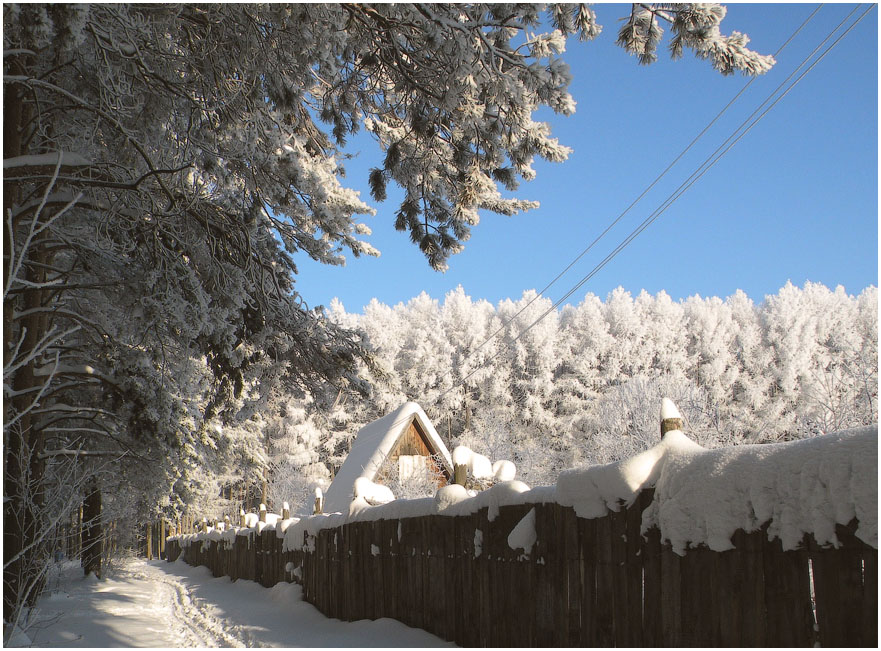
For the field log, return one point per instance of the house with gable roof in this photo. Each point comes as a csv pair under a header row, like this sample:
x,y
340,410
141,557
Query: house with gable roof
x,y
403,442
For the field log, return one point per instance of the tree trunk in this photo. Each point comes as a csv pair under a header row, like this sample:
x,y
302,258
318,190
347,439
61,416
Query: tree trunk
x,y
25,550
92,531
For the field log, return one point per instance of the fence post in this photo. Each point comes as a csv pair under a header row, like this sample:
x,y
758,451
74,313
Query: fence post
x,y
149,541
242,520
460,474
262,513
319,502
285,511
78,541
670,417
162,538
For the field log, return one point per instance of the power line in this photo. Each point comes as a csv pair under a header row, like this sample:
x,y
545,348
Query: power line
x,y
708,163
648,188
710,160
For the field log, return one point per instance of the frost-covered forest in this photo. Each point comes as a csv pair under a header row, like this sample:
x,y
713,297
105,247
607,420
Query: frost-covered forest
x,y
166,165
583,386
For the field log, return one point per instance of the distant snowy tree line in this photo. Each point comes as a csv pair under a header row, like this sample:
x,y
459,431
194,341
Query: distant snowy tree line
x,y
163,166
584,385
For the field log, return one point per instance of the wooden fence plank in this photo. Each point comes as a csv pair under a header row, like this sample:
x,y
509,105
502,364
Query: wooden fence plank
x,y
377,551
605,584
515,588
558,593
428,605
356,569
389,529
650,551
435,595
671,597
634,572
348,578
698,584
621,615
548,588
414,555
571,558
730,590
485,604
787,596
869,622
333,587
445,533
752,575
588,551
838,586
474,544
462,566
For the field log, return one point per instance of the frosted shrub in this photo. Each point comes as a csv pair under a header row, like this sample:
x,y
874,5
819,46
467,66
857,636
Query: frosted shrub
x,y
413,480
296,484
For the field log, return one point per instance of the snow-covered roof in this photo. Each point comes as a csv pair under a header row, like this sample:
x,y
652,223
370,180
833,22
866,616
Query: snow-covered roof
x,y
372,446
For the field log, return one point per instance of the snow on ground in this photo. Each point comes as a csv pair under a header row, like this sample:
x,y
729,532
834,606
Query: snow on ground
x,y
159,604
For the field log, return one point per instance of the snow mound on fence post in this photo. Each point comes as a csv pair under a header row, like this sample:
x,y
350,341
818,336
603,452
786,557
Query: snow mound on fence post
x,y
595,490
669,409
479,465
372,493
447,496
504,470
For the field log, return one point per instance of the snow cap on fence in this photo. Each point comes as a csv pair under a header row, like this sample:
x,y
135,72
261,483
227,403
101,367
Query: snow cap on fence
x,y
372,493
595,490
669,409
498,495
671,419
479,465
504,470
799,487
703,496
451,494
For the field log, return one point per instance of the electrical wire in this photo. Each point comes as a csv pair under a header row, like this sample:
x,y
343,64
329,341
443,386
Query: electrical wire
x,y
708,163
646,190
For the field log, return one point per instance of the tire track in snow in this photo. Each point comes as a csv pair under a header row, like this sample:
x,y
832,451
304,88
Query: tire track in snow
x,y
190,619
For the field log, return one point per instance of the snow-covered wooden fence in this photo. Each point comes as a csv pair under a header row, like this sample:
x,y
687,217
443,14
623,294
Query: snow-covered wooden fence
x,y
584,582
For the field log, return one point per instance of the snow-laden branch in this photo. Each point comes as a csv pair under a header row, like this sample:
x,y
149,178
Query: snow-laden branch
x,y
35,228
88,106
63,452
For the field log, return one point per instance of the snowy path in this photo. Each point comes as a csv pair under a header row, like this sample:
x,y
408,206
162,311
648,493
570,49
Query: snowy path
x,y
159,604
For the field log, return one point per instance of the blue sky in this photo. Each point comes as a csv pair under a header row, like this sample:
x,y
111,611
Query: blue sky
x,y
796,199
